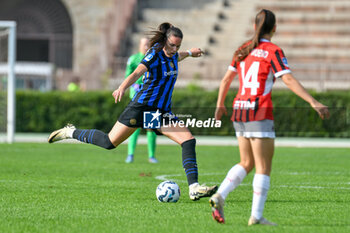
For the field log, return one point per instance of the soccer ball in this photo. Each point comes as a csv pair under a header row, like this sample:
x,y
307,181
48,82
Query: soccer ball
x,y
168,191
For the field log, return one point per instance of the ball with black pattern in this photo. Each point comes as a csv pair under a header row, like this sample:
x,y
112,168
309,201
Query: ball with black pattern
x,y
168,191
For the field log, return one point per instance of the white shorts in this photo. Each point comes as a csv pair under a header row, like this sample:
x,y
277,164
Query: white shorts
x,y
255,129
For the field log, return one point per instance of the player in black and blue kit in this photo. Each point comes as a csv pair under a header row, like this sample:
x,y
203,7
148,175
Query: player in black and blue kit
x,y
159,79
160,67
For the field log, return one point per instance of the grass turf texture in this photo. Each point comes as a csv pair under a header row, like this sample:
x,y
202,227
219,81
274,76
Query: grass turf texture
x,y
82,188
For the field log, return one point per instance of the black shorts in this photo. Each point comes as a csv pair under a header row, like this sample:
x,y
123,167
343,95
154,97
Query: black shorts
x,y
133,116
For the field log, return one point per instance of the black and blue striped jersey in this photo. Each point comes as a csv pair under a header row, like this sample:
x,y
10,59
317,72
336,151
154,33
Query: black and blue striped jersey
x,y
159,80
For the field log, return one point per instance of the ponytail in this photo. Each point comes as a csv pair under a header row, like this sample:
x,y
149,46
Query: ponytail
x,y
264,22
159,36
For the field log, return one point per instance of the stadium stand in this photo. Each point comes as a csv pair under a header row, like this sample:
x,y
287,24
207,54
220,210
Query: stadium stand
x,y
313,34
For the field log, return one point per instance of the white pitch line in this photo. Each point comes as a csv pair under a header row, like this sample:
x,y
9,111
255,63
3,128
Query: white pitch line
x,y
312,173
169,177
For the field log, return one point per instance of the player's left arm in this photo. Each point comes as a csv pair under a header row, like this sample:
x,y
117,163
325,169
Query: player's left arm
x,y
295,86
193,52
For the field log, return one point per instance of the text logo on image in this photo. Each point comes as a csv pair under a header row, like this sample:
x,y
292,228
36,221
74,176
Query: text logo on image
x,y
151,120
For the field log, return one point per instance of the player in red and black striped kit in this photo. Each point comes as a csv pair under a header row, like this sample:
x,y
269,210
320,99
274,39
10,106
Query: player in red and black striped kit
x,y
258,63
257,73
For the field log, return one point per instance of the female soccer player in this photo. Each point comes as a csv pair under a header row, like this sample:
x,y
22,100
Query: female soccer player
x,y
258,63
160,67
132,64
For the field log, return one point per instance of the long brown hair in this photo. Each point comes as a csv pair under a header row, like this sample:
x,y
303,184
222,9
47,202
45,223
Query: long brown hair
x,y
163,32
265,20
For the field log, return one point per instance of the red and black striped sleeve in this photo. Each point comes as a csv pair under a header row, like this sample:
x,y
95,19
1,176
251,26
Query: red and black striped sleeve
x,y
233,66
279,63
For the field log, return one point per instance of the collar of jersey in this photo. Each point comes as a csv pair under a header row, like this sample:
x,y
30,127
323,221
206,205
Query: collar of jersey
x,y
165,56
264,40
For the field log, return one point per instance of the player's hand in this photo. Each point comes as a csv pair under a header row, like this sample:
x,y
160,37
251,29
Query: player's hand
x,y
321,109
219,112
118,94
196,52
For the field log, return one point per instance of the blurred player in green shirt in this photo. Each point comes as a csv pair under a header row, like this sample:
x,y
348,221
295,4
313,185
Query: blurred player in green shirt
x,y
74,85
133,62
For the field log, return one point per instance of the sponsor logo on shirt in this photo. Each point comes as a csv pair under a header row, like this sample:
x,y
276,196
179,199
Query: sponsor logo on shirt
x,y
170,73
244,104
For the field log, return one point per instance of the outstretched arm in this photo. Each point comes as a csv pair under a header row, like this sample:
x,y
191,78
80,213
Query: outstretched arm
x,y
295,86
194,52
224,87
138,72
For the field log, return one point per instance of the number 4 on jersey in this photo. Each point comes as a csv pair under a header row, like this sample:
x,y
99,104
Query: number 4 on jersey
x,y
250,79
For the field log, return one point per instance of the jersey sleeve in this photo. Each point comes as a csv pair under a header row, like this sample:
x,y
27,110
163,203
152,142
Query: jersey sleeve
x,y
150,59
233,66
279,63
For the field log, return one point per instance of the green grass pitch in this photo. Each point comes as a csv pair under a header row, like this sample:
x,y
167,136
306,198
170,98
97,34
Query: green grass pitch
x,y
82,188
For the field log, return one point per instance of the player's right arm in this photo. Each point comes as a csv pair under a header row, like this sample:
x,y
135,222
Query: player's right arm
x,y
132,78
224,87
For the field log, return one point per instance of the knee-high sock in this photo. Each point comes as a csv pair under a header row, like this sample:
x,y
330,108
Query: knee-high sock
x,y
133,141
261,185
93,136
233,178
189,161
151,141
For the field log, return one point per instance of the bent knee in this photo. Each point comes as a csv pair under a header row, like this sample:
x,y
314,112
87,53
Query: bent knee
x,y
111,147
106,143
248,165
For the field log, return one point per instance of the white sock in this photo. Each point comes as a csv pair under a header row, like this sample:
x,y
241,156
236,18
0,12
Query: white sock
x,y
261,185
233,178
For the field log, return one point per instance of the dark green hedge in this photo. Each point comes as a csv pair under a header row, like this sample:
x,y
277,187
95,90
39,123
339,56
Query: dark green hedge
x,y
44,112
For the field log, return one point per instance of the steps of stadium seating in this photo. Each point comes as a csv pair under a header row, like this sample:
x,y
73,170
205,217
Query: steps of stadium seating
x,y
306,5
317,41
312,29
195,22
310,32
315,17
175,4
314,36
